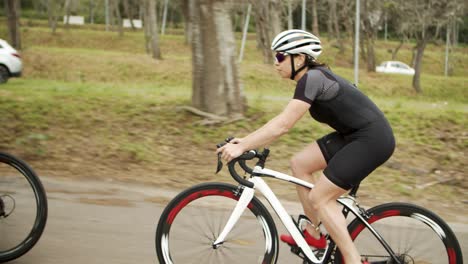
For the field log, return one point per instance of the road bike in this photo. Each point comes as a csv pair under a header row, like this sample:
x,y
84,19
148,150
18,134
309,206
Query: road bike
x,y
225,223
23,208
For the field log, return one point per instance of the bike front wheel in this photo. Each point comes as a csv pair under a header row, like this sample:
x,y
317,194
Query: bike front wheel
x,y
193,220
23,208
415,234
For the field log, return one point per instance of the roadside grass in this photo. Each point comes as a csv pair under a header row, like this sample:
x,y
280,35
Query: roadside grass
x,y
94,105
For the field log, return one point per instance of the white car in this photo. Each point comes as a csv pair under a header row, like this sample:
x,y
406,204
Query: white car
x,y
10,62
395,67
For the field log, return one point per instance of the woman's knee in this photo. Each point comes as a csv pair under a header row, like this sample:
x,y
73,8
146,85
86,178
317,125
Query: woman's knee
x,y
324,193
297,165
316,202
307,161
301,168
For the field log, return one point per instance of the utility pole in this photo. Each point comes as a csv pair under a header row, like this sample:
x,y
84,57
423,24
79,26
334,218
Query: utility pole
x,y
244,34
447,45
163,26
386,26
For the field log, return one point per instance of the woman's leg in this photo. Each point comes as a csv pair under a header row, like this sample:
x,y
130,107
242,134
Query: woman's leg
x,y
322,200
303,165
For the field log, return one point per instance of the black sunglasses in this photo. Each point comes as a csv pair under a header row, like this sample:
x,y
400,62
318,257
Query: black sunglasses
x,y
280,57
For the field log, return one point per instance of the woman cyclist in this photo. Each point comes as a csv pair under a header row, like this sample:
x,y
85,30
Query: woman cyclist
x,y
362,140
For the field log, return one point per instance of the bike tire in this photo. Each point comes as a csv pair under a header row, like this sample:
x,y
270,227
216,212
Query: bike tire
x,y
39,217
415,234
193,220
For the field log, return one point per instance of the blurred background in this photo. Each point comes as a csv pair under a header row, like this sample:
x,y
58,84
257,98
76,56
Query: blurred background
x,y
140,91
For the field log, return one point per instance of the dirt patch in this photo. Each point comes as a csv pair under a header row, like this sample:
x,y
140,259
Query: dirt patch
x,y
158,200
107,202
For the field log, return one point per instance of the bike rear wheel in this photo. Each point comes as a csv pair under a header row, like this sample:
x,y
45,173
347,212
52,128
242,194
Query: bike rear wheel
x,y
415,234
193,220
23,208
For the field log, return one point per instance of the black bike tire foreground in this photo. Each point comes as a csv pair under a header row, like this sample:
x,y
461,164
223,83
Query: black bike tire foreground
x,y
223,191
426,217
41,212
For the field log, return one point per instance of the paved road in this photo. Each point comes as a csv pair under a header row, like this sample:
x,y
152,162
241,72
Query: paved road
x,y
95,222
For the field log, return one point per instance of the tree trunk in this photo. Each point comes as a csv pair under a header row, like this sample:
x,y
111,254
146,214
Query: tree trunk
x,y
118,16
420,46
43,7
370,54
275,7
67,8
395,51
216,87
12,11
153,27
362,46
111,14
141,9
187,21
91,11
335,27
346,15
414,52
330,32
369,36
267,25
146,24
128,13
52,11
315,25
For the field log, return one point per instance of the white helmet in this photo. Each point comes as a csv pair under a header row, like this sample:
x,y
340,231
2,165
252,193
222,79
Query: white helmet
x,y
297,41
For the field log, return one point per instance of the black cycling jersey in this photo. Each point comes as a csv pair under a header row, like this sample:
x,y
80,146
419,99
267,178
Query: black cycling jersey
x,y
335,101
363,139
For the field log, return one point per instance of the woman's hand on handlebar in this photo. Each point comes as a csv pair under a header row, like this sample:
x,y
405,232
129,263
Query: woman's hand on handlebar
x,y
236,140
231,150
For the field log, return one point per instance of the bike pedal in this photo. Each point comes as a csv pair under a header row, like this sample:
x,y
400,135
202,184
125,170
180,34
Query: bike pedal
x,y
296,250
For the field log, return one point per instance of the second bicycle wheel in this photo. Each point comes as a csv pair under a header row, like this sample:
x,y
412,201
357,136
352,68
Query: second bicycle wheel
x,y
193,220
23,208
416,235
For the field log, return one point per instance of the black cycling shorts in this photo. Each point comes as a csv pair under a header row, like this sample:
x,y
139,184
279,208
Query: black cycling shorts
x,y
350,158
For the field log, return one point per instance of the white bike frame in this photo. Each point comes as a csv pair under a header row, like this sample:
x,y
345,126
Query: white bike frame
x,y
248,193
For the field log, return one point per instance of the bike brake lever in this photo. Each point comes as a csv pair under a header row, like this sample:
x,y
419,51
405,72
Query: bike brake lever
x,y
220,164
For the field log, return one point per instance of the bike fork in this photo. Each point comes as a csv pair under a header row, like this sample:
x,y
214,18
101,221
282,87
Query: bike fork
x,y
244,200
